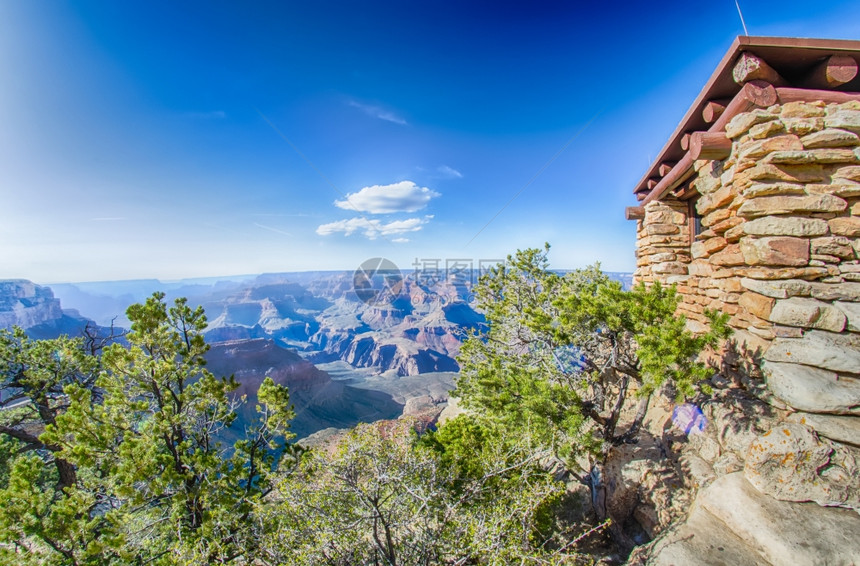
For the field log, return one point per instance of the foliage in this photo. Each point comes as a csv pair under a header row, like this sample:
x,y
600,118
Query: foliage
x,y
563,353
381,498
152,483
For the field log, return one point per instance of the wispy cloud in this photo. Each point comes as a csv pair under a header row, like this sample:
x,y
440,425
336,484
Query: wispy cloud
x,y
372,229
270,229
378,112
400,240
404,196
448,172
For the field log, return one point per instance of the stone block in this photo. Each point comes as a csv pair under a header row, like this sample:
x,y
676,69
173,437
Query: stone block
x,y
847,291
811,156
852,313
838,246
773,273
851,173
776,251
726,224
712,201
844,120
831,138
803,126
812,389
826,350
785,226
754,303
801,109
766,130
730,255
757,149
716,216
813,173
773,189
778,289
669,267
808,313
745,120
839,189
661,229
791,205
845,226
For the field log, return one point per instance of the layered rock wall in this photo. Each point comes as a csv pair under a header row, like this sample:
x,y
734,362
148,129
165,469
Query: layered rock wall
x,y
778,248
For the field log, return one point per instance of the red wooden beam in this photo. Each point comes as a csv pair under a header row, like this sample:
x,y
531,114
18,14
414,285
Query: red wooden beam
x,y
832,72
710,145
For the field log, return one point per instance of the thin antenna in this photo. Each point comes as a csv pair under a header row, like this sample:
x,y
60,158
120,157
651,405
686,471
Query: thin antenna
x,y
741,14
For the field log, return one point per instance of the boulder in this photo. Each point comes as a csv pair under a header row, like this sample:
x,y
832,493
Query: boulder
x,y
812,389
841,428
791,463
783,533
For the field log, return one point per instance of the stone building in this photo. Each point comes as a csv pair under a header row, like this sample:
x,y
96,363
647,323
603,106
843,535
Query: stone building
x,y
753,209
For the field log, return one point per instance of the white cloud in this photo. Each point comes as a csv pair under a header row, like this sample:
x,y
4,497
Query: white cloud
x,y
372,229
400,240
448,172
404,196
378,112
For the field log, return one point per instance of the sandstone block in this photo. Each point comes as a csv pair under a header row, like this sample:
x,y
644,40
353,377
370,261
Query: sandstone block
x,y
661,229
852,313
838,246
775,251
791,464
726,224
773,189
669,267
743,121
845,120
812,389
839,189
663,216
761,148
778,172
827,350
730,255
706,184
756,304
733,235
786,226
803,126
812,156
766,130
831,138
800,109
662,257
852,173
716,216
772,273
845,226
808,313
715,200
791,204
835,292
841,428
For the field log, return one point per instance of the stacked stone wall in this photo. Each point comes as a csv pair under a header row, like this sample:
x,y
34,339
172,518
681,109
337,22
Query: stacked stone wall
x,y
779,250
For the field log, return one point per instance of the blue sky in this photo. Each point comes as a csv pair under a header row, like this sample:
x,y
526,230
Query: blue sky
x,y
170,140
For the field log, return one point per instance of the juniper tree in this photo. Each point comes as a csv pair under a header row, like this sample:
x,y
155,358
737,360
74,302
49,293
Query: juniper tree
x,y
570,353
